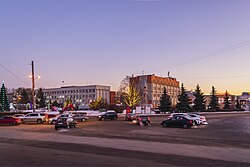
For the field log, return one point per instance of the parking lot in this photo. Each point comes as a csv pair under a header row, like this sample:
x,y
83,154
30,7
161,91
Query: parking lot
x,y
118,140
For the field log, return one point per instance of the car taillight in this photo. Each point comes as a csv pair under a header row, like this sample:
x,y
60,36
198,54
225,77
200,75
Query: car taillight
x,y
139,119
191,122
149,119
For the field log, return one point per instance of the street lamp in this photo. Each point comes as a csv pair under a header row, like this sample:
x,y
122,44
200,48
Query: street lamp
x,y
33,78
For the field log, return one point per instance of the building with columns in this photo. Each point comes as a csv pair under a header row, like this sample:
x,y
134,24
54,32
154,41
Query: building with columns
x,y
79,94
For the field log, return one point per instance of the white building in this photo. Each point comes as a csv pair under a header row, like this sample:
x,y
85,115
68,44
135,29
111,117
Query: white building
x,y
81,94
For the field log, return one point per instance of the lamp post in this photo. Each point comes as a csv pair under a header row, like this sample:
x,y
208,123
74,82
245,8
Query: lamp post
x,y
32,76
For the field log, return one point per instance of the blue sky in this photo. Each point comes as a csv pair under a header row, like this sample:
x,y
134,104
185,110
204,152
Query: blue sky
x,y
101,41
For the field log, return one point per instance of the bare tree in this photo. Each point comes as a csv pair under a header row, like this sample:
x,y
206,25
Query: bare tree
x,y
132,97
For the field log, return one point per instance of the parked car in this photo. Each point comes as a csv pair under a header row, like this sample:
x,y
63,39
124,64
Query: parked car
x,y
201,118
65,122
130,117
8,120
178,121
33,117
17,116
80,117
196,120
107,115
54,119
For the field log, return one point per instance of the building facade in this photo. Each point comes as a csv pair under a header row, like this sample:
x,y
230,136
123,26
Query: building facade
x,y
221,100
151,89
78,94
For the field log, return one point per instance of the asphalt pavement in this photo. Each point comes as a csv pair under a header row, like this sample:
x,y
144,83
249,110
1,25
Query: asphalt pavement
x,y
224,142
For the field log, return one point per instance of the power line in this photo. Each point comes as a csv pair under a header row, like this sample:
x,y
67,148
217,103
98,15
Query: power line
x,y
13,74
219,77
202,57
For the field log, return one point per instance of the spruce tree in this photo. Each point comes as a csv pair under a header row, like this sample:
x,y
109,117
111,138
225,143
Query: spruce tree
x,y
4,100
226,101
24,97
238,106
165,102
199,102
41,97
214,105
183,104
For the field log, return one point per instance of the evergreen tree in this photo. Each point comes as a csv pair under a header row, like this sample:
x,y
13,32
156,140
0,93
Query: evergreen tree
x,y
199,101
41,98
24,97
55,103
214,100
183,104
226,101
238,106
165,102
4,100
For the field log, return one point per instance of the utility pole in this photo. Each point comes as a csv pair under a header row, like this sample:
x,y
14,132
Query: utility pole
x,y
33,86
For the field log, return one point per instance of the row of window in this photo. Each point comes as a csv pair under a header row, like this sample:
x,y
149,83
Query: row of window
x,y
71,91
72,96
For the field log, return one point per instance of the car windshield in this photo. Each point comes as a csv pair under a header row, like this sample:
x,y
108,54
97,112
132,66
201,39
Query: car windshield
x,y
62,119
143,116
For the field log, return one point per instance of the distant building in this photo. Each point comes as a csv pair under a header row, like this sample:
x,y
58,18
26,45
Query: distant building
x,y
79,94
232,99
151,89
244,100
112,97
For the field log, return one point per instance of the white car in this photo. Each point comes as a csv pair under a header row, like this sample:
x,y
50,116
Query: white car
x,y
33,117
196,118
200,117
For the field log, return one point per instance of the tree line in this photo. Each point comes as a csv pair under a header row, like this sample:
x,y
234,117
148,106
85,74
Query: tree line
x,y
185,103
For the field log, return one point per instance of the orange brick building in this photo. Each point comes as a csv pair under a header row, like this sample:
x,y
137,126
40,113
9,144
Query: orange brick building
x,y
151,88
112,97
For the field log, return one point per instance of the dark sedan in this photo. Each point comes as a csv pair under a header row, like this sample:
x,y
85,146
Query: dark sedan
x,y
178,121
65,122
107,115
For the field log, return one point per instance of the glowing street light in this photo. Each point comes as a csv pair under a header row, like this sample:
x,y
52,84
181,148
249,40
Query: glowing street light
x,y
33,78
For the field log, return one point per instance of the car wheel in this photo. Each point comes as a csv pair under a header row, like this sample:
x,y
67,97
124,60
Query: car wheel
x,y
185,126
83,120
22,121
53,122
165,125
56,128
39,121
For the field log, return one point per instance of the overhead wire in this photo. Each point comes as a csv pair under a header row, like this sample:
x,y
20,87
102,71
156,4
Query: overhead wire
x,y
202,57
14,75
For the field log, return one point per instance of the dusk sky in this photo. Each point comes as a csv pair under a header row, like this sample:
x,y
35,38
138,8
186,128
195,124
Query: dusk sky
x,y
82,42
